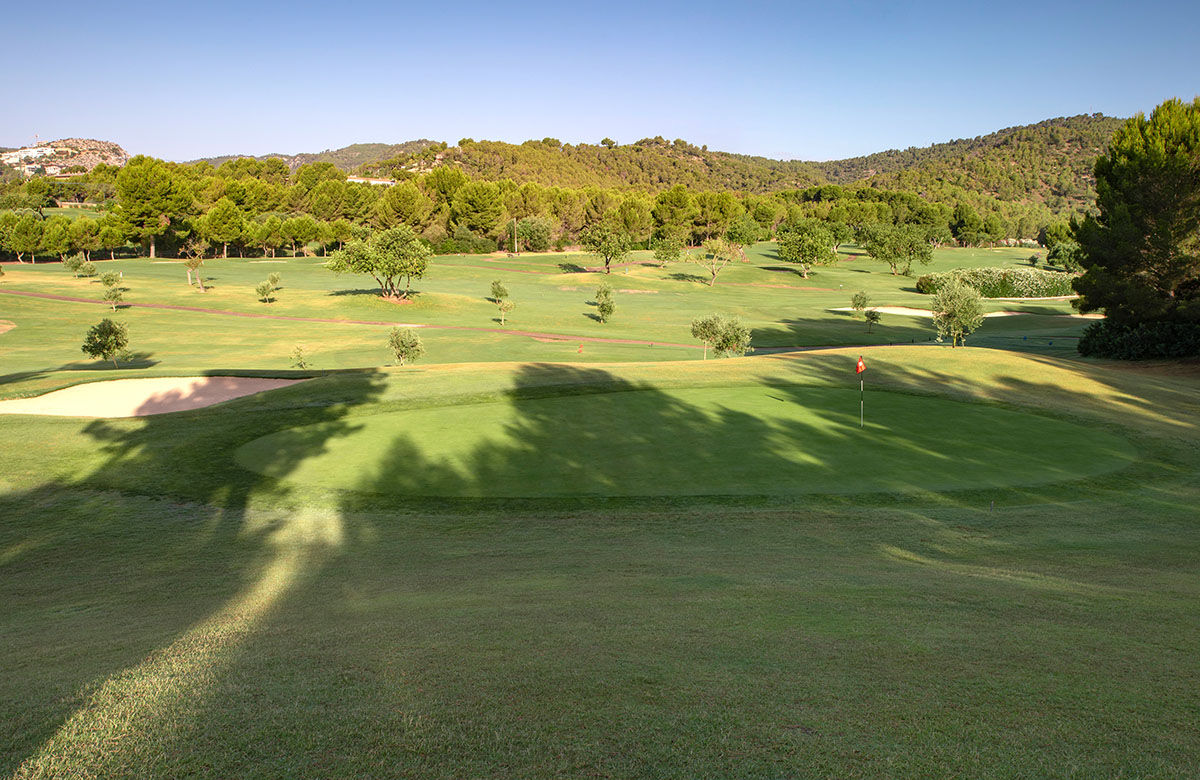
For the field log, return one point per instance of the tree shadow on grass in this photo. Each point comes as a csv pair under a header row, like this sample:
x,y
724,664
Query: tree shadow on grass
x,y
428,588
680,276
845,330
137,360
572,268
201,559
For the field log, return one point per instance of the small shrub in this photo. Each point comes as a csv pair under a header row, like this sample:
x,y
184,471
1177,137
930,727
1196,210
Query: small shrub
x,y
74,262
1003,282
113,296
299,359
860,301
405,344
728,336
604,303
87,269
264,290
110,278
273,280
873,318
499,291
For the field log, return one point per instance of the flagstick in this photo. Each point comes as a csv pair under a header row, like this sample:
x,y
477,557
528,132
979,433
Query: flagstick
x,y
860,400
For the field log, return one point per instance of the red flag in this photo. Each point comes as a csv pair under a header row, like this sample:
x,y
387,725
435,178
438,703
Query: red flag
x,y
860,366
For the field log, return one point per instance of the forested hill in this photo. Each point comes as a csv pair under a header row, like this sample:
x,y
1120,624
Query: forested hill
x,y
651,164
347,158
1046,167
1049,164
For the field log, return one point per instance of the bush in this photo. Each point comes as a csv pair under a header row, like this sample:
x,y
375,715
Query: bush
x,y
1146,341
727,336
1003,282
405,344
535,232
464,242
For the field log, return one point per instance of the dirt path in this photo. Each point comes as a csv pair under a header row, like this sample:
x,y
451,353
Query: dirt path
x,y
141,397
253,315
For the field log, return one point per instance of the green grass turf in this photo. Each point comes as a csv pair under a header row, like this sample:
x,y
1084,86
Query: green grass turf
x,y
997,578
169,613
653,304
740,440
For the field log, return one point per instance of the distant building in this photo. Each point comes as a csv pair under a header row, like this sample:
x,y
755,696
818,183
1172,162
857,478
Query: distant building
x,y
365,180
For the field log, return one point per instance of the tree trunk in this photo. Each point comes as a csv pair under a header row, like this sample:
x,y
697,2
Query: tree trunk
x,y
225,251
112,254
152,255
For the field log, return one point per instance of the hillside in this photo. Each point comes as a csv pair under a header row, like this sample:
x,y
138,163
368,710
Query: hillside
x,y
1049,163
347,158
67,155
651,164
1046,165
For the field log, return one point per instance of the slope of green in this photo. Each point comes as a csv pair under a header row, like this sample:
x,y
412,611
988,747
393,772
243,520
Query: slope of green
x,y
170,613
783,440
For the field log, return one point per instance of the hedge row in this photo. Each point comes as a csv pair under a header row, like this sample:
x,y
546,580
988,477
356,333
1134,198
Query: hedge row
x,y
1146,341
1003,282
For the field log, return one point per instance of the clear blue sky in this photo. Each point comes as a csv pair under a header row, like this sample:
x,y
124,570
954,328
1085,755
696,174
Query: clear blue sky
x,y
781,79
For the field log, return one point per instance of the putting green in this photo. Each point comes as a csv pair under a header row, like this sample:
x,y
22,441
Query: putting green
x,y
699,441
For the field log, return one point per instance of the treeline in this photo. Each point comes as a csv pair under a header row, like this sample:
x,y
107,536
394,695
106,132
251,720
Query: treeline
x,y
249,206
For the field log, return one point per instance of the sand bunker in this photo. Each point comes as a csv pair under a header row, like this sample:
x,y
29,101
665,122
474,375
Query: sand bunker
x,y
141,397
6,326
908,311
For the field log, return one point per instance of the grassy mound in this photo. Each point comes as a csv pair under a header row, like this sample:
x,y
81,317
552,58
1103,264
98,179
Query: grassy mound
x,y
652,442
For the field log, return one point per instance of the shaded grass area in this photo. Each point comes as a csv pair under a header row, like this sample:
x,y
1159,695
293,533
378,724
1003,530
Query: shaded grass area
x,y
169,613
757,440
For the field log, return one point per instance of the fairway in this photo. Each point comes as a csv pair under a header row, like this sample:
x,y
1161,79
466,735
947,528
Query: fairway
x,y
561,548
750,440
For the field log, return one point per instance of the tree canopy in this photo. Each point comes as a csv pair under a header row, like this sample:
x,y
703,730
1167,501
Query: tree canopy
x,y
1141,251
387,257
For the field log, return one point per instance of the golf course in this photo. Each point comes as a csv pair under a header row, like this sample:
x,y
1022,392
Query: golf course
x,y
560,547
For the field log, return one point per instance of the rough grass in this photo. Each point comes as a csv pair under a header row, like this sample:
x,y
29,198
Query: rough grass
x,y
169,613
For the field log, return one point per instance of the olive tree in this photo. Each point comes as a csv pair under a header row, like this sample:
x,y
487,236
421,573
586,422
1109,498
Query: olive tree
x,y
604,303
405,344
727,336
607,242
714,255
957,311
106,340
388,257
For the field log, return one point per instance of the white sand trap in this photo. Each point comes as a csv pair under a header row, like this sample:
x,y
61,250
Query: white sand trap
x,y
268,261
908,311
141,397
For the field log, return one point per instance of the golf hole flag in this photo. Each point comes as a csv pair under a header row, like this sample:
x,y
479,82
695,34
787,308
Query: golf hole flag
x,y
859,368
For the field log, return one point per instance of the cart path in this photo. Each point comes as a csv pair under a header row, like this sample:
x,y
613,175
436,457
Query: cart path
x,y
254,315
